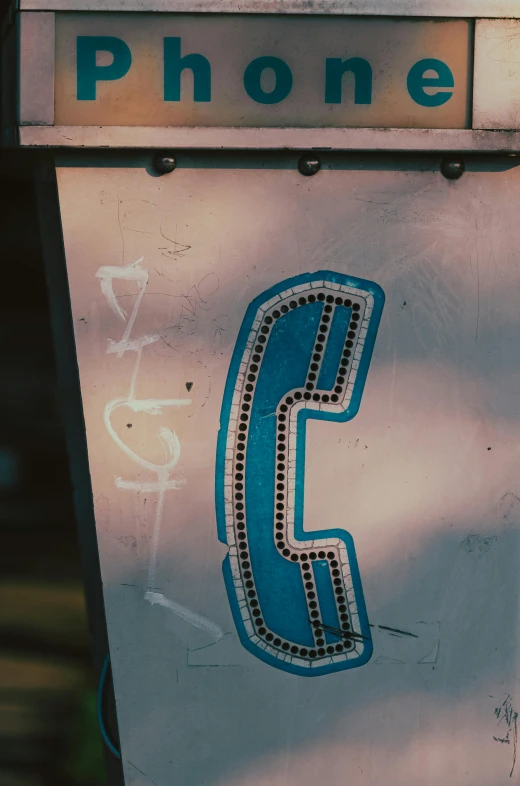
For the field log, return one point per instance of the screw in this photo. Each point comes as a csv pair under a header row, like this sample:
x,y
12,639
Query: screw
x,y
309,164
452,168
164,163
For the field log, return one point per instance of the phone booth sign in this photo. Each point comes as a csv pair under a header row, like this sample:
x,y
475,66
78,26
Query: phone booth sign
x,y
290,244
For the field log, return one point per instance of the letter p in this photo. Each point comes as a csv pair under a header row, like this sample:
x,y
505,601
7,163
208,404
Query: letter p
x,y
89,73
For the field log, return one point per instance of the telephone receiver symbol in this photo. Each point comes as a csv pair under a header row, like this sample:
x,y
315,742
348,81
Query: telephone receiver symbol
x,y
303,352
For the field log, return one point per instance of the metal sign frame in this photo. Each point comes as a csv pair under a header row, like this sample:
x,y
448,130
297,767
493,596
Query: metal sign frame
x,y
32,122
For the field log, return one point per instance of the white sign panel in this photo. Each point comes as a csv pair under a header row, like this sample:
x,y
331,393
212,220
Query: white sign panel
x,y
302,414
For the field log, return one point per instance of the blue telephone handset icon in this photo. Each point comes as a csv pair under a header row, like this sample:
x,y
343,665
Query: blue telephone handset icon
x,y
303,352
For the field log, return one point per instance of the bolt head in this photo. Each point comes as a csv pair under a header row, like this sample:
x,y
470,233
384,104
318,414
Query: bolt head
x,y
309,164
164,163
452,168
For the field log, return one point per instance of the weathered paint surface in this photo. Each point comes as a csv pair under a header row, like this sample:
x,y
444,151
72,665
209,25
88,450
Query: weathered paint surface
x,y
425,477
439,8
496,93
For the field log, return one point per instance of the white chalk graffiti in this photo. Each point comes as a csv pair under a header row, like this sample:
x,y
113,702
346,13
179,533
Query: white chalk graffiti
x,y
135,272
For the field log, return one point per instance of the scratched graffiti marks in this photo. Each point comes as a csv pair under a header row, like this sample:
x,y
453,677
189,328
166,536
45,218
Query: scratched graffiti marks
x,y
414,643
129,343
165,480
507,516
142,221
507,718
193,315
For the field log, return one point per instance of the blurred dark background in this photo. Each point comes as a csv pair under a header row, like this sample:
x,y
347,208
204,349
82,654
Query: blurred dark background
x,y
48,725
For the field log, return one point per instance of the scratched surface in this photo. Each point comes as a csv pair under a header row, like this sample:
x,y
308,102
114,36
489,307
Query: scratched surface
x,y
425,478
496,88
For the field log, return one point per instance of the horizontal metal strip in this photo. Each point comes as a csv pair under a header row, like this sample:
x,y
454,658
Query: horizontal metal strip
x,y
440,8
391,139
